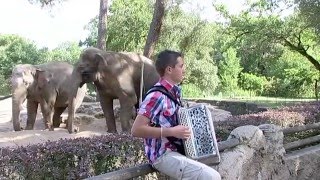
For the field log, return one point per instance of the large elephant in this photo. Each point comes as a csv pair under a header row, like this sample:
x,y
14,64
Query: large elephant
x,y
116,76
47,84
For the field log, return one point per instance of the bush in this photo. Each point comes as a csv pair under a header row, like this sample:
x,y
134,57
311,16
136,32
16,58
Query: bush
x,y
191,90
71,158
295,115
4,86
253,82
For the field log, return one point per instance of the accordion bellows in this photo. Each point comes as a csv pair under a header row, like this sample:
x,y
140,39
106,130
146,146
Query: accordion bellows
x,y
202,142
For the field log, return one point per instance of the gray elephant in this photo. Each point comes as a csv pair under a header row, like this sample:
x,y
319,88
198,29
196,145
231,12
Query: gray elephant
x,y
116,76
47,84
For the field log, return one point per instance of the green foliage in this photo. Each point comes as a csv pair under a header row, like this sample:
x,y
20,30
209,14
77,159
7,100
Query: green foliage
x,y
191,91
263,44
127,27
179,30
68,52
189,34
202,73
16,50
71,158
253,82
307,9
229,70
291,76
296,83
310,10
4,86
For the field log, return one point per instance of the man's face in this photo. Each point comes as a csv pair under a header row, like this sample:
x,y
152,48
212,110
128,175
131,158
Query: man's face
x,y
178,71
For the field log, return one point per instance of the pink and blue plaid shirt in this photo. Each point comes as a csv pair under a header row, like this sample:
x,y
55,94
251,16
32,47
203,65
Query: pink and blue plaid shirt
x,y
160,110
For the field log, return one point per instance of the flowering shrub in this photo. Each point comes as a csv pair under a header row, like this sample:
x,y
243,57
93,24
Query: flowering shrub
x,y
71,158
289,116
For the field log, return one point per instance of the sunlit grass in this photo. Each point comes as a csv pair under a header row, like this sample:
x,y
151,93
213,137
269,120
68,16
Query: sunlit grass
x,y
271,102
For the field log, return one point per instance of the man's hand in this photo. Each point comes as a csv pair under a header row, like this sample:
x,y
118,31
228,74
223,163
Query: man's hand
x,y
180,131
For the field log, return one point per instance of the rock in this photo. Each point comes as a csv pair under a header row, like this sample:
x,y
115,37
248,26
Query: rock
x,y
88,98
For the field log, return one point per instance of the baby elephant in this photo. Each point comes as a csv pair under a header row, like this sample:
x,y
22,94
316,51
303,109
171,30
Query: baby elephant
x,y
47,84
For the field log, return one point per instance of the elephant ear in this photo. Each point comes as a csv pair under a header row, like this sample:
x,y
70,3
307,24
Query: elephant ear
x,y
99,58
42,78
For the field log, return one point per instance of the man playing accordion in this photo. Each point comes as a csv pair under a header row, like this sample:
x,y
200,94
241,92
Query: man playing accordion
x,y
156,122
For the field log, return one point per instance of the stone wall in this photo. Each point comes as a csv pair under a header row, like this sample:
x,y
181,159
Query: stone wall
x,y
261,156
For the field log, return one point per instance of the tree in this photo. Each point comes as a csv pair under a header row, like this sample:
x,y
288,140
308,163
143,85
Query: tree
x,y
155,28
45,3
127,26
102,25
17,50
67,51
309,9
229,70
262,37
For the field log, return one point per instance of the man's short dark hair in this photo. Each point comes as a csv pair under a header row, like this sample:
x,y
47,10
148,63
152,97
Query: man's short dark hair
x,y
166,58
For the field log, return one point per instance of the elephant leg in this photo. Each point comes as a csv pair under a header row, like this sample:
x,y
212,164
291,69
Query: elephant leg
x,y
57,116
107,107
47,112
32,108
125,115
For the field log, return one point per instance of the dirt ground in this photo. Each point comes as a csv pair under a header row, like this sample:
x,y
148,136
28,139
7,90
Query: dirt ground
x,y
88,127
86,121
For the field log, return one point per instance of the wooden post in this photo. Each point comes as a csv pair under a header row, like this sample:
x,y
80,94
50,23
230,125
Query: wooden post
x,y
301,142
301,128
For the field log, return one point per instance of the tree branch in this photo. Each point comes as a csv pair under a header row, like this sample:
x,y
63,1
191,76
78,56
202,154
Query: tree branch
x,y
303,52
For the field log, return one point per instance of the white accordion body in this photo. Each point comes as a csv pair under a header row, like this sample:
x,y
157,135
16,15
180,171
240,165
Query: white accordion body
x,y
203,142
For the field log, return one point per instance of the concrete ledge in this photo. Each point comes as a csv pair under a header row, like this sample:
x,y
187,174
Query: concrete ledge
x,y
304,163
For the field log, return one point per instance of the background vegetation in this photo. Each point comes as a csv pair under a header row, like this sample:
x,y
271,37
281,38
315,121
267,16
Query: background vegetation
x,y
258,52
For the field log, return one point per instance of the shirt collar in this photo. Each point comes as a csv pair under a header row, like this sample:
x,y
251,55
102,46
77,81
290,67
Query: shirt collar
x,y
170,87
166,84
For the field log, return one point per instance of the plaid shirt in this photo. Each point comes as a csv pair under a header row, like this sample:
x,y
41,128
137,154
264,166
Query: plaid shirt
x,y
159,108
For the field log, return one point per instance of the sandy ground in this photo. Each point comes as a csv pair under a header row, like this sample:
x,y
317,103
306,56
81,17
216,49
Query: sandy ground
x,y
88,125
8,137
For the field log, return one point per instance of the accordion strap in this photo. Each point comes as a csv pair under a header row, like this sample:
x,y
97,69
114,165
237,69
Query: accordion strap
x,y
164,91
173,140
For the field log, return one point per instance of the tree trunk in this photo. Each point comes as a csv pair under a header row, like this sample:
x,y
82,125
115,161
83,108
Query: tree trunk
x,y
102,25
316,92
102,30
155,28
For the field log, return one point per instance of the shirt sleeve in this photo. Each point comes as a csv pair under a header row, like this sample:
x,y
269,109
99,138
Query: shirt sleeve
x,y
151,105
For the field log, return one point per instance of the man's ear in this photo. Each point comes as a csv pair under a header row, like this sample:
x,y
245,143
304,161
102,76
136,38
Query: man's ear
x,y
168,69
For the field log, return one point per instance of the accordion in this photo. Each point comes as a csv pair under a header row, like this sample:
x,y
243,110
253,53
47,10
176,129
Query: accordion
x,y
203,143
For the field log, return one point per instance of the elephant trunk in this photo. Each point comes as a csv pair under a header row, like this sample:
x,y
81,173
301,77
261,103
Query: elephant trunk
x,y
18,97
